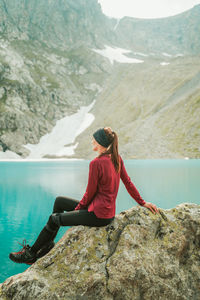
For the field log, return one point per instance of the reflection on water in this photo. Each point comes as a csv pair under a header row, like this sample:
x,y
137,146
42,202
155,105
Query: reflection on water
x,y
28,190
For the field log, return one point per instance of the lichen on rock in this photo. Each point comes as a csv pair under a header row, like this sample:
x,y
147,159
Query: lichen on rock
x,y
138,256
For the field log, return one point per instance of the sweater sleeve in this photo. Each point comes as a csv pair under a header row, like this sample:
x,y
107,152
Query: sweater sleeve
x,y
130,186
91,186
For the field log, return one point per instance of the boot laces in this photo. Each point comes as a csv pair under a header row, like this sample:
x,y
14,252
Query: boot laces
x,y
24,245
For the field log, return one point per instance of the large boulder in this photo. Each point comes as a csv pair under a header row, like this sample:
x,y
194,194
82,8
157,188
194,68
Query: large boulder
x,y
138,256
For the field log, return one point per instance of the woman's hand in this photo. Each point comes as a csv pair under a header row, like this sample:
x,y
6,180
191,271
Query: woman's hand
x,y
151,207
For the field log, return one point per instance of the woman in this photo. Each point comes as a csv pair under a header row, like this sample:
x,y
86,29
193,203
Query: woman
x,y
97,207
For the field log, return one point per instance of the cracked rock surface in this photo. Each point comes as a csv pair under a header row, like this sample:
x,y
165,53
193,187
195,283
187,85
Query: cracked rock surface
x,y
138,256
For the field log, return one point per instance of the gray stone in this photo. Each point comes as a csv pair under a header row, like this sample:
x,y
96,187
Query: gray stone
x,y
138,256
2,92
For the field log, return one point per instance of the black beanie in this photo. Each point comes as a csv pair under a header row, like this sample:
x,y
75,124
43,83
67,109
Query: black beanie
x,y
101,138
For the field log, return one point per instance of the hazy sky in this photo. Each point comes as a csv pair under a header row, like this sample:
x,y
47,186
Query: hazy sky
x,y
145,8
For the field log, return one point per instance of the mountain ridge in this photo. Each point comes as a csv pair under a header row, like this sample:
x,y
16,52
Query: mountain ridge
x,y
177,33
49,69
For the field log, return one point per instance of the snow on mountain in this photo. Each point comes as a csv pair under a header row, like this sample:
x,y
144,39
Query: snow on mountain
x,y
117,54
60,141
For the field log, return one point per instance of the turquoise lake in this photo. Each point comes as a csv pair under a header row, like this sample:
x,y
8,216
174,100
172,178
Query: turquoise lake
x,y
28,190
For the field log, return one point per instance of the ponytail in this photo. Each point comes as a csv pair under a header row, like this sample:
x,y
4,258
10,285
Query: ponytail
x,y
113,148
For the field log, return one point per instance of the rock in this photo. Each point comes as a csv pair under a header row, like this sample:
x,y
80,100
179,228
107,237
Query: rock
x,y
138,256
2,92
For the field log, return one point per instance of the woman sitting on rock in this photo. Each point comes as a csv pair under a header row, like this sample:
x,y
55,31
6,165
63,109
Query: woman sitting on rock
x,y
97,207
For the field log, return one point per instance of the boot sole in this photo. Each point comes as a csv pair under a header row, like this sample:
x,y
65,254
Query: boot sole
x,y
22,262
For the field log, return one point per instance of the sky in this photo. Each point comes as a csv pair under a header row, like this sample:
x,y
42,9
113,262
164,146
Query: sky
x,y
145,8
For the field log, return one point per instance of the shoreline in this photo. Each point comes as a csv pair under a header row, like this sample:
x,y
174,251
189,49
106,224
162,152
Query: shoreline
x,y
83,159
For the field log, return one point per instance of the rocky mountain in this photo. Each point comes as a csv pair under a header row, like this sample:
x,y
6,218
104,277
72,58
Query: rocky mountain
x,y
47,68
177,34
51,64
138,256
58,24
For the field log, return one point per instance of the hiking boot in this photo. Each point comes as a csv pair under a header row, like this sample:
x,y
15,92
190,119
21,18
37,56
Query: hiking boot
x,y
25,255
45,249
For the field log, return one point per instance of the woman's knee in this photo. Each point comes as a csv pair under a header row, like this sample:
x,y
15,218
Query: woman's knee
x,y
53,222
57,202
58,199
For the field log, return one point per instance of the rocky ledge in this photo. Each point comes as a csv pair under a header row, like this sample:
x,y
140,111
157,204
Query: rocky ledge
x,y
138,256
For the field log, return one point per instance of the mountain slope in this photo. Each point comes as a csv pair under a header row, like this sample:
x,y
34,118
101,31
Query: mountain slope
x,y
51,65
57,23
39,86
155,110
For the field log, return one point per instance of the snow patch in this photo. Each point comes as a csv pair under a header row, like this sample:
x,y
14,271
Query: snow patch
x,y
117,54
164,63
166,54
7,155
179,55
141,54
64,133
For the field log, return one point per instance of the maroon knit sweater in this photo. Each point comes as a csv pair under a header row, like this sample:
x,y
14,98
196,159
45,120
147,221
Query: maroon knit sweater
x,y
103,184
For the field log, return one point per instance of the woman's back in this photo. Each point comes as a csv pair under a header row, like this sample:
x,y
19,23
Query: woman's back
x,y
107,185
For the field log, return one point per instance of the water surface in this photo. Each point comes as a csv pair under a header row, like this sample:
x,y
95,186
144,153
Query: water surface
x,y
28,190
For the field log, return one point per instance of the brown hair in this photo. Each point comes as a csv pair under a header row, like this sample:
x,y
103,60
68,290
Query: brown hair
x,y
113,148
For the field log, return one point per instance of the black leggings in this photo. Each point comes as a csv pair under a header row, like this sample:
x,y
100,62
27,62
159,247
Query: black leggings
x,y
69,218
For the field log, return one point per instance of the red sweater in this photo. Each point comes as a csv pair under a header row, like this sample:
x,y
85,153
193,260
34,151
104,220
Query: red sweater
x,y
103,184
